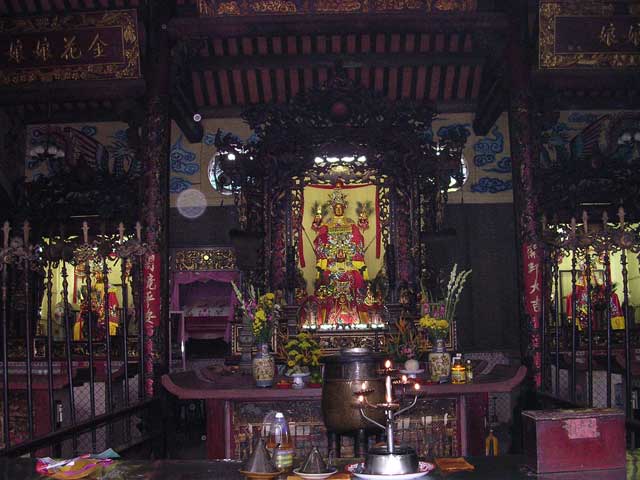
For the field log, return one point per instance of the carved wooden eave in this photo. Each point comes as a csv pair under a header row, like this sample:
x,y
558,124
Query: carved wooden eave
x,y
12,7
419,54
589,90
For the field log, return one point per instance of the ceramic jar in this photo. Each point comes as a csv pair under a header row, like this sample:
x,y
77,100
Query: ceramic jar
x,y
263,366
440,362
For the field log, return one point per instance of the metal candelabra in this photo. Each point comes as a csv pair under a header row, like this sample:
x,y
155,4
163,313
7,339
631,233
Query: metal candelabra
x,y
392,408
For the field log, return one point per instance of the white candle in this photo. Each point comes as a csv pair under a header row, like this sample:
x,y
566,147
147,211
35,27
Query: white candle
x,y
364,386
139,231
388,388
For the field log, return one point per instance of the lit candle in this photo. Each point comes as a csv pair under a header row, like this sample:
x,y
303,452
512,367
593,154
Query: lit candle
x,y
404,379
364,386
360,398
387,364
416,386
388,388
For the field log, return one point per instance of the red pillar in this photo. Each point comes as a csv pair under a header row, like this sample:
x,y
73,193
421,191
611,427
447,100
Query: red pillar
x,y
156,135
524,151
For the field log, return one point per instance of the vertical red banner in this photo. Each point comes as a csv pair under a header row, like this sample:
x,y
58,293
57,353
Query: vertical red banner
x,y
152,307
532,284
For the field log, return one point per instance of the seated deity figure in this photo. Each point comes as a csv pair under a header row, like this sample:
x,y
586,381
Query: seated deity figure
x,y
341,270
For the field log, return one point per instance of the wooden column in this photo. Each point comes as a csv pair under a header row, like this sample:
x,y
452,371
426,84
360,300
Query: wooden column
x,y
156,138
524,151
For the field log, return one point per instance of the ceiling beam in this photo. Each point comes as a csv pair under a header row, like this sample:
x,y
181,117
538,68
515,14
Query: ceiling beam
x,y
68,91
453,106
330,60
194,27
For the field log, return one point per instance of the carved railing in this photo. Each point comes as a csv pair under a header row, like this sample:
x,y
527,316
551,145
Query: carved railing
x,y
73,371
588,333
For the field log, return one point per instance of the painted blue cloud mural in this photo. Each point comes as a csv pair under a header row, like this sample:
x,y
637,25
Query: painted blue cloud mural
x,y
179,184
491,185
182,160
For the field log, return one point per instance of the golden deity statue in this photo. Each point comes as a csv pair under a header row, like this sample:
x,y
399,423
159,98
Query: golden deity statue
x,y
341,271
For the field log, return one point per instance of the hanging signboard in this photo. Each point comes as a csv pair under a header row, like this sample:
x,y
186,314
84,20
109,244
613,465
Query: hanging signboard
x,y
589,35
83,46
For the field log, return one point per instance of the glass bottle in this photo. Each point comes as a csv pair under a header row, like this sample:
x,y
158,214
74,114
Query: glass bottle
x,y
469,371
458,373
281,443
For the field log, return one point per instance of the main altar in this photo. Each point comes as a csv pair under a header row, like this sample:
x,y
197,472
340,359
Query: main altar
x,y
337,193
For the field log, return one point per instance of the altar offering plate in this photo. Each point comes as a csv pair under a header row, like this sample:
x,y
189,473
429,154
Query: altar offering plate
x,y
315,476
261,475
355,469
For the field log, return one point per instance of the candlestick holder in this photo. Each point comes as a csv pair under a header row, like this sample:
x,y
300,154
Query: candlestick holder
x,y
390,459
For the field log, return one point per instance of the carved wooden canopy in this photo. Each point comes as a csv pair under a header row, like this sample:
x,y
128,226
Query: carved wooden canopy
x,y
340,118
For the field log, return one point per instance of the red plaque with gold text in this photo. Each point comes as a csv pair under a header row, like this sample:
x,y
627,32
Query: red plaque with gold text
x,y
84,46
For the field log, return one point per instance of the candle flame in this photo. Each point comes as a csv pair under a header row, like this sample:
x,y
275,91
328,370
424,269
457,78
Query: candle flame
x,y
364,385
416,386
404,379
360,398
387,364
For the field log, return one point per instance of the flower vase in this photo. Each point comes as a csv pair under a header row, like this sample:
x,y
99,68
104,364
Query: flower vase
x,y
263,366
440,362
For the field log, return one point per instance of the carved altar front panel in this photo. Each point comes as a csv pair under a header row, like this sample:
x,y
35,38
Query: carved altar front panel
x,y
203,259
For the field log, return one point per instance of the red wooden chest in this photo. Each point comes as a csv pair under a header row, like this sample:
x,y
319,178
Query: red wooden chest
x,y
574,440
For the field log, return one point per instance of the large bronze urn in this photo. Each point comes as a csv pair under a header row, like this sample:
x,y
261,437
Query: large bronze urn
x,y
343,375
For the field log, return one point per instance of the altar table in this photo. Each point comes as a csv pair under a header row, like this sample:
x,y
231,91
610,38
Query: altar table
x,y
222,392
487,468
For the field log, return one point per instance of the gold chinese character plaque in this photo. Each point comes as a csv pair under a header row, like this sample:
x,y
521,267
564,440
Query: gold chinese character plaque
x,y
86,46
588,34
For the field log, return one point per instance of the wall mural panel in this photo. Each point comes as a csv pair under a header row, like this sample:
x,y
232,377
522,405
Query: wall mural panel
x,y
488,159
102,146
565,138
75,170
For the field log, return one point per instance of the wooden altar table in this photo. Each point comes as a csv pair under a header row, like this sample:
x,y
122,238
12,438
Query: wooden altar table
x,y
222,392
507,467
